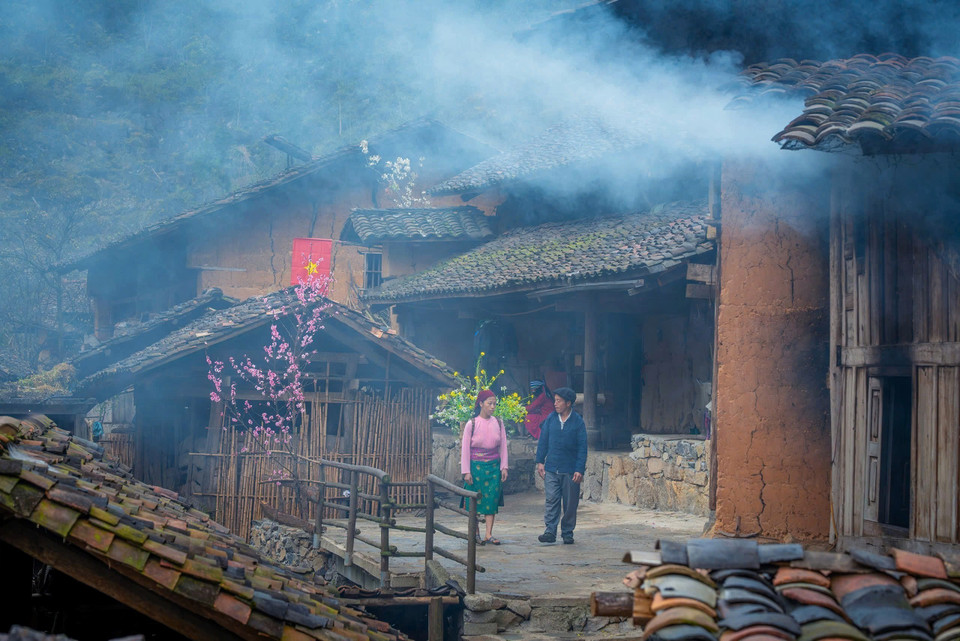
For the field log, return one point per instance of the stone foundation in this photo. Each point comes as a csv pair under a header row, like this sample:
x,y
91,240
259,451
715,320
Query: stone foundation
x,y
288,546
663,472
521,452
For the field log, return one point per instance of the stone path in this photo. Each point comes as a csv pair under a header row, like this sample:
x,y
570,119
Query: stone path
x,y
524,566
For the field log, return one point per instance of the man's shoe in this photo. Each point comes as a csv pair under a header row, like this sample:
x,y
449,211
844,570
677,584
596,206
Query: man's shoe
x,y
568,540
547,538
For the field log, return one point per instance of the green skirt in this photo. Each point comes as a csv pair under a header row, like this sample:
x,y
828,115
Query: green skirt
x,y
486,480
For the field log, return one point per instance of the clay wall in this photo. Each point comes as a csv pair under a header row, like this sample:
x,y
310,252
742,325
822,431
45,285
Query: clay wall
x,y
772,401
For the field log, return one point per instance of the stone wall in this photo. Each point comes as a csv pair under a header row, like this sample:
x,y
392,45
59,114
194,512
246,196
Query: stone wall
x,y
521,453
288,546
663,472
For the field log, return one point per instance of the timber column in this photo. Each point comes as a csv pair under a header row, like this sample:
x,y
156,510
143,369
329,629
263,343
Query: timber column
x,y
590,374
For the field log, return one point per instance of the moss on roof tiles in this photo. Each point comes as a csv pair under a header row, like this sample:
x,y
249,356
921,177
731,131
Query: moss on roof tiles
x,y
560,252
163,544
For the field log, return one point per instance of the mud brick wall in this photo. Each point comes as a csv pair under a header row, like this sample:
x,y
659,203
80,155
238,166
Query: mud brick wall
x,y
772,413
662,473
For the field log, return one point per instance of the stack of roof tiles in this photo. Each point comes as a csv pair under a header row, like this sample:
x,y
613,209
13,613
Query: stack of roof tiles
x,y
564,252
866,100
739,590
62,484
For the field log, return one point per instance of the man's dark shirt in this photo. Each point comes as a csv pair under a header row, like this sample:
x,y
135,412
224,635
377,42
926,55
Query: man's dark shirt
x,y
563,451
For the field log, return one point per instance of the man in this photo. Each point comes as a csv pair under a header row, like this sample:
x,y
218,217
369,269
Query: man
x,y
561,463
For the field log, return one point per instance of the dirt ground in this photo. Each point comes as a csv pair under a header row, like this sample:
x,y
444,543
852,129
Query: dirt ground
x,y
522,565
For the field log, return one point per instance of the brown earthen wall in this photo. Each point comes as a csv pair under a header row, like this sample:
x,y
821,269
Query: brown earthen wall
x,y
772,414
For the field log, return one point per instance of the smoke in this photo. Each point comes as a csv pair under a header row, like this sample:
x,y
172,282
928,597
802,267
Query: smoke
x,y
178,94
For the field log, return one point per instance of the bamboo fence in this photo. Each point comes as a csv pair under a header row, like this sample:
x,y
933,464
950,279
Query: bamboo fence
x,y
120,446
390,435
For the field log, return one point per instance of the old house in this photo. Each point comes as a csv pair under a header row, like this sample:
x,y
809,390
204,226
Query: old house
x,y
244,243
579,281
838,394
368,396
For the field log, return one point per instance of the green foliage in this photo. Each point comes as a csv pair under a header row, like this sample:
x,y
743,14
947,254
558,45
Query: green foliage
x,y
456,407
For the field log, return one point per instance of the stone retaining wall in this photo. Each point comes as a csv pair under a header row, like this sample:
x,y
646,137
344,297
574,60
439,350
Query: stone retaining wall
x,y
663,472
286,545
521,453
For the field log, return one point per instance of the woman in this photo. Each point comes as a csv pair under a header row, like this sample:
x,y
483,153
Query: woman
x,y
483,459
539,409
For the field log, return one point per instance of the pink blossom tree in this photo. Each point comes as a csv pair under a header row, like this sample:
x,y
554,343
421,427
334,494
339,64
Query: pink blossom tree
x,y
276,374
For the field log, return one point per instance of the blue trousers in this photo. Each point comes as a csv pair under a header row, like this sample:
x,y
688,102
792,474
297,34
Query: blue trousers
x,y
560,492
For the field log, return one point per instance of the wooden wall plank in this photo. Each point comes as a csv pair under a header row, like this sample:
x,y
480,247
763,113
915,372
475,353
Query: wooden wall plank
x,y
947,454
924,467
905,266
921,289
860,451
848,436
938,316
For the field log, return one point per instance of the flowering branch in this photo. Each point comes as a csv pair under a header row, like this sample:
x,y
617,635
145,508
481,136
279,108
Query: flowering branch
x,y
456,407
276,375
398,179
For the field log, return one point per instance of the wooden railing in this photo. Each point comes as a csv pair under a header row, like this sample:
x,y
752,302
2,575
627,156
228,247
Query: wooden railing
x,y
433,527
379,507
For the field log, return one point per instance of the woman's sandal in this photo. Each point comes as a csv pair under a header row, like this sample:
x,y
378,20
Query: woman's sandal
x,y
491,541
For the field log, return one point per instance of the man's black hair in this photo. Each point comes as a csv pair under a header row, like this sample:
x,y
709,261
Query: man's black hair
x,y
566,394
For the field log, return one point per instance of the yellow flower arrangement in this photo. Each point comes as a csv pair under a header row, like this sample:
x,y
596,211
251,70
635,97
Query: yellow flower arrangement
x,y
455,407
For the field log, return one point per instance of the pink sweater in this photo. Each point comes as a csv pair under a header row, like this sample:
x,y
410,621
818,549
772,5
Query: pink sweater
x,y
483,439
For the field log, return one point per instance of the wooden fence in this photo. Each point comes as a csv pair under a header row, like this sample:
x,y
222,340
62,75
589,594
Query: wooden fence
x,y
391,435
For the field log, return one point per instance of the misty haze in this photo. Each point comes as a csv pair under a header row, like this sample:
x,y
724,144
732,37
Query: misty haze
x,y
539,319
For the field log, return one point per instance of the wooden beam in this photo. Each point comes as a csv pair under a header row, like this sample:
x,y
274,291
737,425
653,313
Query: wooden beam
x,y
942,354
172,610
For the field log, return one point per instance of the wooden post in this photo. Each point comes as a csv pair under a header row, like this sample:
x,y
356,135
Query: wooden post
x,y
590,374
321,503
435,619
428,536
472,548
352,519
385,533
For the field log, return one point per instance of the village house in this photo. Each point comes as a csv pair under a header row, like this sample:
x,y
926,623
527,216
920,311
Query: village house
x,y
368,394
258,239
172,294
569,282
837,388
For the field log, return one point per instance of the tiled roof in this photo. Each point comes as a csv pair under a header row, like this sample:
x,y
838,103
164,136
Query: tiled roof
x,y
217,326
881,103
733,589
57,488
560,145
373,226
432,131
562,252
133,337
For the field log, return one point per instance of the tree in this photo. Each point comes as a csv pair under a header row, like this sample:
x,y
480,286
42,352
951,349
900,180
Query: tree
x,y
277,375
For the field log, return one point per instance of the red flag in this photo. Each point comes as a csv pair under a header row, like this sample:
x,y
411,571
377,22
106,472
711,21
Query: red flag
x,y
311,258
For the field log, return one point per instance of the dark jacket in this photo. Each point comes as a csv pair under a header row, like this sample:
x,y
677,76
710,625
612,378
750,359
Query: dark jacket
x,y
563,451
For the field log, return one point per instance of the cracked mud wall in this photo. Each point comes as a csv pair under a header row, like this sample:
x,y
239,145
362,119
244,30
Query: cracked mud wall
x,y
772,414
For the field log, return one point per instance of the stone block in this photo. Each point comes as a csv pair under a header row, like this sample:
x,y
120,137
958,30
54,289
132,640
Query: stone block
x,y
520,607
482,601
698,478
472,629
486,616
654,466
506,619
